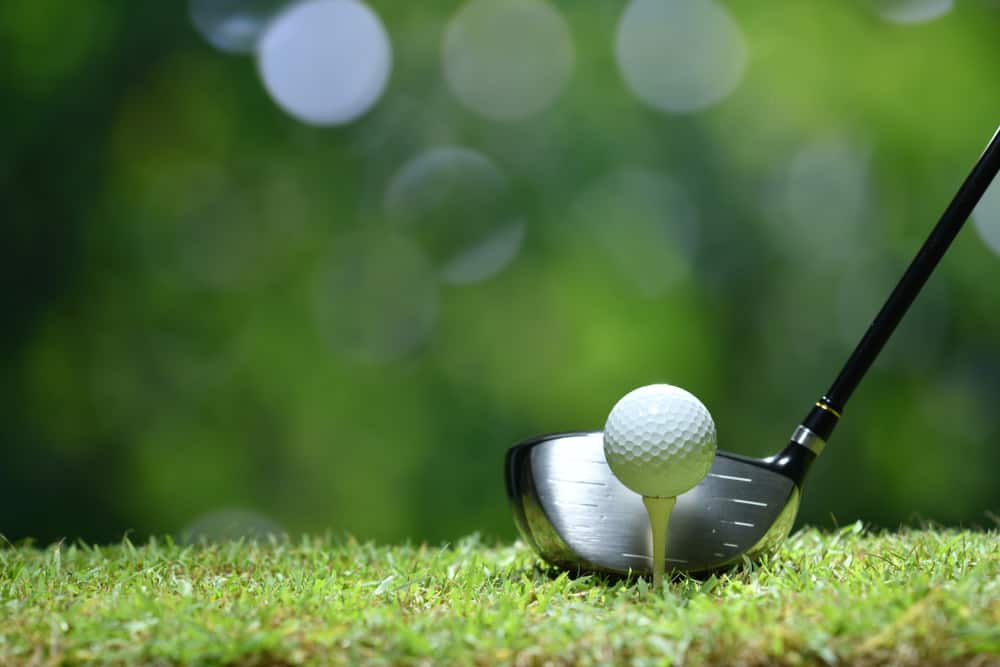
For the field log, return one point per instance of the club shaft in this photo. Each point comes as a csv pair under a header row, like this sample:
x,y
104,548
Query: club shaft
x,y
916,275
824,416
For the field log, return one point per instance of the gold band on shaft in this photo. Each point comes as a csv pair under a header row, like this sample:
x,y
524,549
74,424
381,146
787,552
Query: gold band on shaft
x,y
824,406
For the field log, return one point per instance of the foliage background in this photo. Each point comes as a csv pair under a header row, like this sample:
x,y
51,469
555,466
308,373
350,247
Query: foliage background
x,y
167,229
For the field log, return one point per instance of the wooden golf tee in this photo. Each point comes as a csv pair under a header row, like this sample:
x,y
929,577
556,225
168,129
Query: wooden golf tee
x,y
659,510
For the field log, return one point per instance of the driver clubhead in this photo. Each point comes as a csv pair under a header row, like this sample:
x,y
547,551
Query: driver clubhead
x,y
576,514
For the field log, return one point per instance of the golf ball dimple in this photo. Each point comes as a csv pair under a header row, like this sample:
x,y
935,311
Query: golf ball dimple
x,y
659,440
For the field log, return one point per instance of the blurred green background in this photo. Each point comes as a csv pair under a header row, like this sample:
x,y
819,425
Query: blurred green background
x,y
260,279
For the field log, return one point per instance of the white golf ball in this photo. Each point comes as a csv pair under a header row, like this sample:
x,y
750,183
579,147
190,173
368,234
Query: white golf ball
x,y
659,440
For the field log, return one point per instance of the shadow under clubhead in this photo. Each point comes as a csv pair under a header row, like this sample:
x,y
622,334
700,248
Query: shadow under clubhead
x,y
576,514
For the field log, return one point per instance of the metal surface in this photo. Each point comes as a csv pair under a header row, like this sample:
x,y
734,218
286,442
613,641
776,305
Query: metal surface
x,y
805,437
578,515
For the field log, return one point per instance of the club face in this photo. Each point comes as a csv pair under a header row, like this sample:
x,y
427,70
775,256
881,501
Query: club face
x,y
574,511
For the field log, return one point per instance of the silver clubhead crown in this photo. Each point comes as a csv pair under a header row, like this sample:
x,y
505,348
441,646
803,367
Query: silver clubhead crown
x,y
574,511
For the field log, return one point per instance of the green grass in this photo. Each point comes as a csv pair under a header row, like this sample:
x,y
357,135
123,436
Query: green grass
x,y
911,597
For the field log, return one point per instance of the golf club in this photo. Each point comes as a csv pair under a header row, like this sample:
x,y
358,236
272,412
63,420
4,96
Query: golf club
x,y
575,513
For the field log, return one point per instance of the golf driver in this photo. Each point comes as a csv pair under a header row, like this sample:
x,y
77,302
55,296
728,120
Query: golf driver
x,y
575,513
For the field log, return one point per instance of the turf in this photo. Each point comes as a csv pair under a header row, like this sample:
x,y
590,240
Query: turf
x,y
848,597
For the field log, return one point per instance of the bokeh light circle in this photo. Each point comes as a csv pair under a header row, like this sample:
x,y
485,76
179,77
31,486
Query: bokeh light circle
x,y
235,229
456,203
860,291
507,60
825,199
233,25
680,56
912,12
486,258
375,297
325,62
986,218
646,224
231,524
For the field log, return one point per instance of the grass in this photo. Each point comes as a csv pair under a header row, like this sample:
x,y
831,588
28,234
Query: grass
x,y
920,597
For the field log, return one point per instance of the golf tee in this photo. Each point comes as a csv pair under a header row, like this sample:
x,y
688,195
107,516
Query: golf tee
x,y
659,510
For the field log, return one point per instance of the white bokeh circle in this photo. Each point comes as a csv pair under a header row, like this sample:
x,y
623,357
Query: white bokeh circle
x,y
458,206
826,198
485,259
912,12
858,294
680,56
646,224
507,60
233,26
375,297
986,218
230,524
325,62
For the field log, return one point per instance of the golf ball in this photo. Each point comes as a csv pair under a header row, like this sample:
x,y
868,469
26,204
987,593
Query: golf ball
x,y
659,440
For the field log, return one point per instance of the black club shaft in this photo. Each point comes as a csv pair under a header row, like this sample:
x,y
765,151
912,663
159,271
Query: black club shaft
x,y
824,416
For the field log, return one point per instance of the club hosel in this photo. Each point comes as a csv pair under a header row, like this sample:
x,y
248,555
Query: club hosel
x,y
808,440
822,419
